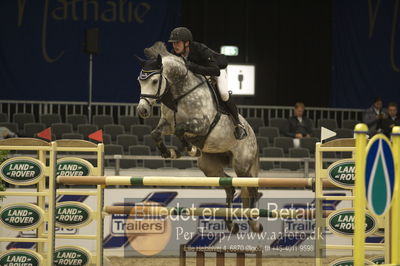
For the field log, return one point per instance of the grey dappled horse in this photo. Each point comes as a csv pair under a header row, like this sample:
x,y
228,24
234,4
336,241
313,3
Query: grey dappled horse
x,y
189,111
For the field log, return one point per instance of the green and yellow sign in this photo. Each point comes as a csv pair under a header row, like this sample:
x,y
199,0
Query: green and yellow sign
x,y
22,171
71,166
71,255
72,214
347,262
341,173
21,216
341,222
20,257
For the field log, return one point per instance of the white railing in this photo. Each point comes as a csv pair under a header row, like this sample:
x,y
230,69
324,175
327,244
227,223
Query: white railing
x,y
10,107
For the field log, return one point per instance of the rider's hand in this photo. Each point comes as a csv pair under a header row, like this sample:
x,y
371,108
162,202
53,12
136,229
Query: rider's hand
x,y
191,66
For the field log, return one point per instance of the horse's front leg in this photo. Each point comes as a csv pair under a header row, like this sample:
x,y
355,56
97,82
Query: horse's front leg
x,y
164,128
195,127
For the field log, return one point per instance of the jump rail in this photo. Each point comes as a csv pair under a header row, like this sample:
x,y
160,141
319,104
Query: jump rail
x,y
191,181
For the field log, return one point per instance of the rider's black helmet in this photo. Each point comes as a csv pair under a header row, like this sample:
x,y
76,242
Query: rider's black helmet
x,y
180,34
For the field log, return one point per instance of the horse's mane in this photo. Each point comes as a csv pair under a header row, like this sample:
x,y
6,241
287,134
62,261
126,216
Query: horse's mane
x,y
176,66
158,48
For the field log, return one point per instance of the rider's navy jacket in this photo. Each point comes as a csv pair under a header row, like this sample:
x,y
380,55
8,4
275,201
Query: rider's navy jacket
x,y
204,61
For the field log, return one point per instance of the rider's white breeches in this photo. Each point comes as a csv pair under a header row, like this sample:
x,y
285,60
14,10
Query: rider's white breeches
x,y
222,81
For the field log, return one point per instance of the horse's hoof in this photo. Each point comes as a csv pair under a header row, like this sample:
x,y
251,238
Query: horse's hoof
x,y
194,152
174,154
256,226
233,228
166,154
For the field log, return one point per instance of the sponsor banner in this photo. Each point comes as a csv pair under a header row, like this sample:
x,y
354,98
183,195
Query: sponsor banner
x,y
72,214
72,255
342,173
72,166
21,216
347,262
21,257
378,260
293,237
22,171
341,222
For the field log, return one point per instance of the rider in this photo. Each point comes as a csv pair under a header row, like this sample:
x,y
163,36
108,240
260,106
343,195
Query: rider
x,y
202,60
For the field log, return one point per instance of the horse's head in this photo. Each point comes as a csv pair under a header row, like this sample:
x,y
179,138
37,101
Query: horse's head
x,y
160,71
152,84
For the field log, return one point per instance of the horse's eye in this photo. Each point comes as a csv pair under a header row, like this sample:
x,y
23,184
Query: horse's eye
x,y
154,82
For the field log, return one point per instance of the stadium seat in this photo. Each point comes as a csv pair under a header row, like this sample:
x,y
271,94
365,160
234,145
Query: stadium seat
x,y
31,129
49,119
281,123
255,123
102,120
328,123
76,120
60,128
284,142
126,140
127,121
271,152
113,131
140,131
269,132
23,118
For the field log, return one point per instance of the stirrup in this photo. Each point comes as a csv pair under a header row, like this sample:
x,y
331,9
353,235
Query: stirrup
x,y
240,132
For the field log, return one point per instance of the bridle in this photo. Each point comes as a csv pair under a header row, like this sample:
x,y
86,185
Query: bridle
x,y
166,95
145,74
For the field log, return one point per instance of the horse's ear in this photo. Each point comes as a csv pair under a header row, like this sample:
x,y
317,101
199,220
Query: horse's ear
x,y
140,60
159,60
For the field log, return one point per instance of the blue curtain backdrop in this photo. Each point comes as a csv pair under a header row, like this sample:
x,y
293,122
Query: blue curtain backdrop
x,y
366,52
41,47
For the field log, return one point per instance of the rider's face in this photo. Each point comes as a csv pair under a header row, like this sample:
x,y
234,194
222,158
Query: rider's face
x,y
179,47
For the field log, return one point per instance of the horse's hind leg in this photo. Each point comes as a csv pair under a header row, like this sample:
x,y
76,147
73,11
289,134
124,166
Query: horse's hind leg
x,y
213,165
246,164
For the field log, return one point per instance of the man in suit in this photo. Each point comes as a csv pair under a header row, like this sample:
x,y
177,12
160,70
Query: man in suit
x,y
299,126
373,117
391,120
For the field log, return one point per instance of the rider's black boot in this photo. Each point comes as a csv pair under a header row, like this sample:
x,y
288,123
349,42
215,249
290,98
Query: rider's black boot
x,y
240,131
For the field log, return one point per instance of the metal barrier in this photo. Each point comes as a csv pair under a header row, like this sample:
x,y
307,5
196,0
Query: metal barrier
x,y
120,109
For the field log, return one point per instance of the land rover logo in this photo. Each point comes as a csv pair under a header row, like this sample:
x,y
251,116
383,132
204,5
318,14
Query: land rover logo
x,y
20,257
71,214
22,171
73,167
69,255
21,216
378,260
341,173
342,222
347,262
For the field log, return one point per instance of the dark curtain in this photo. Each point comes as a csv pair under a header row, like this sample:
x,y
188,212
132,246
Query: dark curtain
x,y
289,42
366,54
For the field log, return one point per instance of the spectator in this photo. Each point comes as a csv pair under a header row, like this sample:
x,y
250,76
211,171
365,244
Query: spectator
x,y
391,120
373,116
5,133
300,126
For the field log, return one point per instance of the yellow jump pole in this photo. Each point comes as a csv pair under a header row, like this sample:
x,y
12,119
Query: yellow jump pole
x,y
360,131
189,181
395,208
